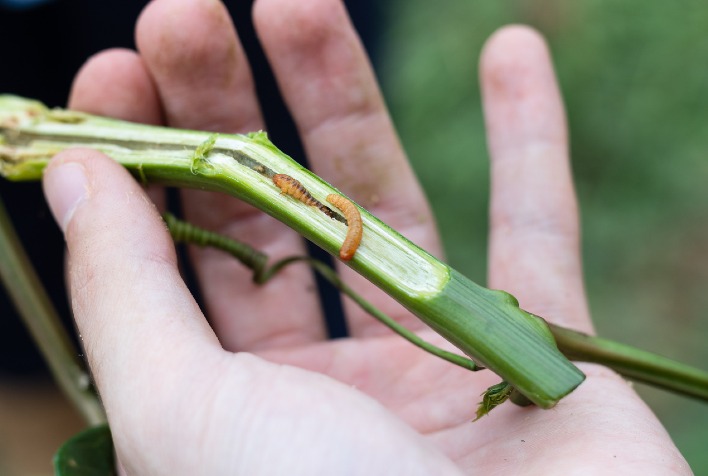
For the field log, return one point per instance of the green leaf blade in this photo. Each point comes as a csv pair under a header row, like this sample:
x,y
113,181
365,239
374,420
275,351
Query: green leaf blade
x,y
89,453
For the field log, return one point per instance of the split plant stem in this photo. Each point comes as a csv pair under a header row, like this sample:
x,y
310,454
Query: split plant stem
x,y
488,326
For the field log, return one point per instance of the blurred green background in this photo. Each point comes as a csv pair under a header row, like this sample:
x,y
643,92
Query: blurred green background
x,y
634,75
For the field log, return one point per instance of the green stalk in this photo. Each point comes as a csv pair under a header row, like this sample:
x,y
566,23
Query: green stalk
x,y
486,325
44,325
633,363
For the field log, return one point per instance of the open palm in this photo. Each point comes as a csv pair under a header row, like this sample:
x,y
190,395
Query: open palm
x,y
259,389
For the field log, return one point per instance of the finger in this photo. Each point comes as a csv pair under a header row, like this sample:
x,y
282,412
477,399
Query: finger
x,y
534,236
204,80
135,316
328,84
115,83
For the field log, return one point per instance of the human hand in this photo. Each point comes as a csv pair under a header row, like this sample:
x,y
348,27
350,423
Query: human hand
x,y
259,389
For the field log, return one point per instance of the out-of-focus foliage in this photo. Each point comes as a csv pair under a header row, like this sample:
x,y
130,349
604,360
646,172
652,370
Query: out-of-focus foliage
x,y
89,453
634,75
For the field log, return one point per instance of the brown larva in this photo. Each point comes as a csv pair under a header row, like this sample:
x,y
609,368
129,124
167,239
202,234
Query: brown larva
x,y
295,189
356,228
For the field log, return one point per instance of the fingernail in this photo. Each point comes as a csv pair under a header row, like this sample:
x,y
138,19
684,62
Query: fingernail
x,y
65,187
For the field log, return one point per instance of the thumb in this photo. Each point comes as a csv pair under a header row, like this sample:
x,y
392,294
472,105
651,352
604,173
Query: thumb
x,y
135,316
166,383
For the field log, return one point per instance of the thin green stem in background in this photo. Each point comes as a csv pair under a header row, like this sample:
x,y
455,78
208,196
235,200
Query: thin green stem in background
x,y
256,261
42,320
